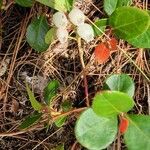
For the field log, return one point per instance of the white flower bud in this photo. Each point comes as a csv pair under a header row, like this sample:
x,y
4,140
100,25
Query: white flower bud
x,y
60,20
76,16
85,31
62,35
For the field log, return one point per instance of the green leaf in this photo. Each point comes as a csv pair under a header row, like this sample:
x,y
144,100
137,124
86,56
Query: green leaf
x,y
108,103
122,83
50,36
36,32
101,24
35,104
142,41
30,120
60,121
60,5
24,3
59,147
129,22
1,3
50,91
137,136
111,5
94,132
66,106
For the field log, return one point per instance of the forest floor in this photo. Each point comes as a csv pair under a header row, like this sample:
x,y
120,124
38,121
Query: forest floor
x,y
62,63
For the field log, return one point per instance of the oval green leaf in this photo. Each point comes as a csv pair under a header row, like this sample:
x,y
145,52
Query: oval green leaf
x,y
120,82
111,5
50,36
94,132
137,136
50,91
30,120
129,22
35,104
60,5
24,3
100,26
36,32
109,103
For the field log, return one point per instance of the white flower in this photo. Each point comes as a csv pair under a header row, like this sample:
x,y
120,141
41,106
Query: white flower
x,y
60,20
62,35
76,16
85,31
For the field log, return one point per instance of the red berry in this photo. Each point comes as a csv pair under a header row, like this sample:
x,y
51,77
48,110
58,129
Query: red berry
x,y
123,126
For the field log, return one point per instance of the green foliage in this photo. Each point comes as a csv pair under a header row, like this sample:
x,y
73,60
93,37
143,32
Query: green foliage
x,y
24,3
142,41
59,147
129,22
35,104
101,24
137,136
36,32
50,36
111,5
60,5
108,103
30,120
95,132
66,106
60,121
50,91
120,82
1,3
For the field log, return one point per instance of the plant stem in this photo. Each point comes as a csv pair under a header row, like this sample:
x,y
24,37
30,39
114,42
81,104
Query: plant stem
x,y
84,72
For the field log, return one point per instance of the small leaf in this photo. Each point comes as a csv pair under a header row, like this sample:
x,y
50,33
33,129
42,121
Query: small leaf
x,y
123,125
50,91
59,147
94,132
60,121
101,24
50,36
109,103
35,104
36,32
129,22
112,44
30,120
102,53
111,5
137,136
120,82
66,106
60,5
24,3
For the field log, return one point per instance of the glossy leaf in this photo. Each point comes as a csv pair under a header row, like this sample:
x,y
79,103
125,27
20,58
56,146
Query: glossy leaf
x,y
102,53
36,32
137,136
100,26
111,5
123,125
30,120
120,82
142,41
129,22
50,91
94,132
109,103
35,104
60,5
50,36
24,3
